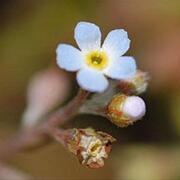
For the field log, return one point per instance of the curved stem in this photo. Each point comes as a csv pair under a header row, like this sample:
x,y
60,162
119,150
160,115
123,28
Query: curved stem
x,y
62,115
33,137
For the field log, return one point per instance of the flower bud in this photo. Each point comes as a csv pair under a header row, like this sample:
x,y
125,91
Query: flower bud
x,y
47,89
135,85
90,146
124,110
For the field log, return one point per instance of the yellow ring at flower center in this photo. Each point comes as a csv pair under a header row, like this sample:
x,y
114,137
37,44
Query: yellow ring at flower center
x,y
97,60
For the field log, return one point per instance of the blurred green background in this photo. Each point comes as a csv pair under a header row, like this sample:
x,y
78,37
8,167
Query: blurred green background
x,y
29,34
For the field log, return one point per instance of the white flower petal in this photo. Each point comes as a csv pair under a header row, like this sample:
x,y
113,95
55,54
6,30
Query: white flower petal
x,y
134,107
117,42
92,80
121,68
87,36
68,57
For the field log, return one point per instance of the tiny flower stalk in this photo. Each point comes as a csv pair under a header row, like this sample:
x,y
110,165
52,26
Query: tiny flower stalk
x,y
124,110
91,147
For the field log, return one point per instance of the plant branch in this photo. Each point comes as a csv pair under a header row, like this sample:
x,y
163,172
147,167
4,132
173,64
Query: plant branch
x,y
30,138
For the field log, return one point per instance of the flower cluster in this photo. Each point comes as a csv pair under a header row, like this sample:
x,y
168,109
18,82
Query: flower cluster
x,y
116,100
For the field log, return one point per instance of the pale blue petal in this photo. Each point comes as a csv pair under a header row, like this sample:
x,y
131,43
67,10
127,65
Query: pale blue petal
x,y
122,68
92,80
87,36
117,42
68,57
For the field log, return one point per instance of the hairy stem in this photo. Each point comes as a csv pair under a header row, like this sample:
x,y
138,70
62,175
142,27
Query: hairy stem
x,y
33,137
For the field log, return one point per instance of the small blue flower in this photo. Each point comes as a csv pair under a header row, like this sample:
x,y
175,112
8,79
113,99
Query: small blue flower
x,y
93,61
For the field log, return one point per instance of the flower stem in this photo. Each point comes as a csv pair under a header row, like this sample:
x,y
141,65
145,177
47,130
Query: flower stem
x,y
32,138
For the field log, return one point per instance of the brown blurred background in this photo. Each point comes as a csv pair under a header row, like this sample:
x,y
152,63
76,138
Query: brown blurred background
x,y
29,33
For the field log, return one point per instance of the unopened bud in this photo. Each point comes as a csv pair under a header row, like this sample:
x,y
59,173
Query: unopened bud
x,y
124,110
135,85
47,89
90,146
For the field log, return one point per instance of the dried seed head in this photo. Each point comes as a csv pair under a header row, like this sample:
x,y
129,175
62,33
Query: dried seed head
x,y
135,85
124,110
140,81
90,146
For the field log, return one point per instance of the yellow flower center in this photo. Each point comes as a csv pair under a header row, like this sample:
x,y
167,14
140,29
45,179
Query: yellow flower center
x,y
97,60
94,147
